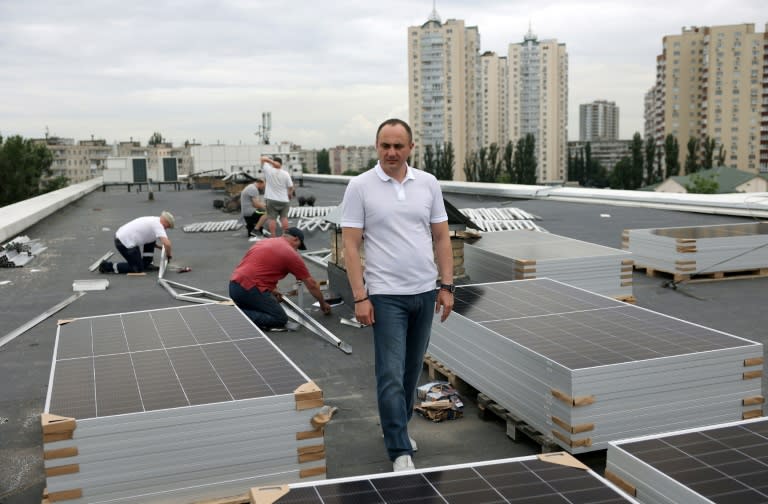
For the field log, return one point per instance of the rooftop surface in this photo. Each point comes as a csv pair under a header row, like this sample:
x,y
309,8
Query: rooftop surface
x,y
80,233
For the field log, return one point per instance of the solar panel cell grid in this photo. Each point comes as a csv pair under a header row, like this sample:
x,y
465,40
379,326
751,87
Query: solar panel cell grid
x,y
519,482
728,464
585,331
161,359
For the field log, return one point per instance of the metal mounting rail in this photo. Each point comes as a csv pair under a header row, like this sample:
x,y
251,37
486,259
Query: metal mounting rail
x,y
32,323
303,318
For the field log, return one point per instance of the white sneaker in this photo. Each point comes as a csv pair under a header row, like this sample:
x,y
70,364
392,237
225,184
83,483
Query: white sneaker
x,y
292,326
403,463
414,446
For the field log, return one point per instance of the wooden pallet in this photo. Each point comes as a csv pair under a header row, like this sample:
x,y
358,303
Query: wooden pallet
x,y
714,276
437,371
627,299
488,409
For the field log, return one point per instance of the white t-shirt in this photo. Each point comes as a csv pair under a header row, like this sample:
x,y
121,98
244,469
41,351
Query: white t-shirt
x,y
396,220
278,181
140,231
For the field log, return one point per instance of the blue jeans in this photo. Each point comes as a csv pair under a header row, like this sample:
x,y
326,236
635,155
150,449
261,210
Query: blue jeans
x,y
261,307
136,260
400,338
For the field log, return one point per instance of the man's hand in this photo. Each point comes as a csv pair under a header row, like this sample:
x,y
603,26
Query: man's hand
x,y
364,312
326,307
444,301
278,295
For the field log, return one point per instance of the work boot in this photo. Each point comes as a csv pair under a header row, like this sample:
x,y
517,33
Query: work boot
x,y
106,267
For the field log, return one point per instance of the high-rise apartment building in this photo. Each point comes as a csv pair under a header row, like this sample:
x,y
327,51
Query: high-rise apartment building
x,y
712,82
442,74
538,102
598,121
492,100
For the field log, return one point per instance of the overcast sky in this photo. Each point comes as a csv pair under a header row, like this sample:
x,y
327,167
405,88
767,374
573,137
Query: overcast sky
x,y
328,71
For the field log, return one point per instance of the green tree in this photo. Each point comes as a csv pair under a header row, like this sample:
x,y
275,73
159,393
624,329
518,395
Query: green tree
x,y
672,155
621,177
587,166
579,172
691,165
430,164
702,184
509,152
323,162
23,164
708,153
636,153
528,166
659,164
371,163
445,163
600,177
470,168
52,184
650,160
721,156
155,139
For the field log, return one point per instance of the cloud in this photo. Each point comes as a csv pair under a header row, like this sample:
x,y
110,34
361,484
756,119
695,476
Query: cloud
x,y
329,72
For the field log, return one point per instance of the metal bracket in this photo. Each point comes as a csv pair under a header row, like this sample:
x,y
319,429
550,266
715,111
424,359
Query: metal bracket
x,y
192,294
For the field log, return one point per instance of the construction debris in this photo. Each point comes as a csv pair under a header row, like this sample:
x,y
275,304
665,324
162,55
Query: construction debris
x,y
19,251
439,401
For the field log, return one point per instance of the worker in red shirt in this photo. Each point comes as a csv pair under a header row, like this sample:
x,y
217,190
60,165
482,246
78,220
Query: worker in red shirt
x,y
253,284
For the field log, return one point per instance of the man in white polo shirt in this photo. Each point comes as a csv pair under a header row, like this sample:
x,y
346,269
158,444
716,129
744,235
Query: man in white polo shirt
x,y
278,193
137,240
399,210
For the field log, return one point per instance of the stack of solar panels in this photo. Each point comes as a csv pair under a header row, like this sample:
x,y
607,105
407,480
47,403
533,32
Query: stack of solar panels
x,y
520,255
548,478
587,369
175,405
721,463
700,249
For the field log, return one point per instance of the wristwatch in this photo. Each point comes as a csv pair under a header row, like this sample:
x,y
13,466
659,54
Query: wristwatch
x,y
449,287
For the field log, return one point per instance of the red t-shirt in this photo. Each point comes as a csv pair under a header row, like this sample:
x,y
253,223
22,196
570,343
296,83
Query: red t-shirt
x,y
267,262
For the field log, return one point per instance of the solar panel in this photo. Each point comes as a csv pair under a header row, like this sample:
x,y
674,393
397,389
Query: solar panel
x,y
578,329
522,255
143,361
587,369
723,463
175,405
520,481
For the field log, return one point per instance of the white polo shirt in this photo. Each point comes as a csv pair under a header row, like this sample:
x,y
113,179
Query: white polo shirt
x,y
140,231
396,220
278,181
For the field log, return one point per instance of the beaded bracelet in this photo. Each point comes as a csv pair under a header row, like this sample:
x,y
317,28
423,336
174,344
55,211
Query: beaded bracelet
x,y
361,300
